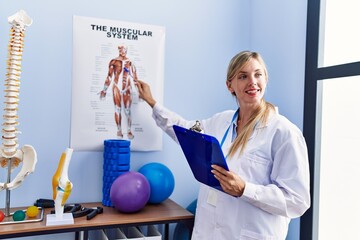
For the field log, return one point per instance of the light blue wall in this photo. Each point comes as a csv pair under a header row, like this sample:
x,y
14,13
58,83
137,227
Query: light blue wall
x,y
278,31
201,37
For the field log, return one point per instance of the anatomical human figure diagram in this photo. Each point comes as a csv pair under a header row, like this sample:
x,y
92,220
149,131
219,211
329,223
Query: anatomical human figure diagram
x,y
123,69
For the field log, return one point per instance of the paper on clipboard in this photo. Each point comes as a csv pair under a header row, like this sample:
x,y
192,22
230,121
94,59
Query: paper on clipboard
x,y
201,151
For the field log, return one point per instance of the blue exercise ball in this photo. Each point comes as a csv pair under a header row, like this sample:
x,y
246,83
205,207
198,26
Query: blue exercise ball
x,y
182,231
192,207
130,192
161,181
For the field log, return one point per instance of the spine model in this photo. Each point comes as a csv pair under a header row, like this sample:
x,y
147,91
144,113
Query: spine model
x,y
10,155
12,83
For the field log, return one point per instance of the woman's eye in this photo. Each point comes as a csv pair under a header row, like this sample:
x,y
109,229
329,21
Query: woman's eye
x,y
258,75
242,77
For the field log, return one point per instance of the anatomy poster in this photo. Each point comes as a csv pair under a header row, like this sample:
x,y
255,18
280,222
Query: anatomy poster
x,y
108,57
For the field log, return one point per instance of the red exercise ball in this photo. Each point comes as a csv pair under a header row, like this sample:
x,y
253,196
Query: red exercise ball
x,y
2,216
130,192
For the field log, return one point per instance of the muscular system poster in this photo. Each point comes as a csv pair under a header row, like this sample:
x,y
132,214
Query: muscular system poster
x,y
108,57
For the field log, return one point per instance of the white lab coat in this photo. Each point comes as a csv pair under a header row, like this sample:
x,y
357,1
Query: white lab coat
x,y
275,168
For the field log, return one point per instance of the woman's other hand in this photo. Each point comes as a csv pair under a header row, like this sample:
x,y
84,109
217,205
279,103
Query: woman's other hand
x,y
230,182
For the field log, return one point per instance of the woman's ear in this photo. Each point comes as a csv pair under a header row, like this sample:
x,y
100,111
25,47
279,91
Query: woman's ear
x,y
232,91
230,88
228,85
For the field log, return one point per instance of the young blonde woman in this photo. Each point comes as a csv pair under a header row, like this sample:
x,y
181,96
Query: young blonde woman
x,y
267,156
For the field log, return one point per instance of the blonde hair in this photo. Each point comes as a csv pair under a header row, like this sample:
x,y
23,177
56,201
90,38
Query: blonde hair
x,y
260,114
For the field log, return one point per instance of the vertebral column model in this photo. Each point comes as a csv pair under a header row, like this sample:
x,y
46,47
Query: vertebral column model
x,y
11,156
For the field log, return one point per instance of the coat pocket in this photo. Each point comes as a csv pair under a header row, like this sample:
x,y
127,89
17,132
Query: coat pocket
x,y
255,168
249,235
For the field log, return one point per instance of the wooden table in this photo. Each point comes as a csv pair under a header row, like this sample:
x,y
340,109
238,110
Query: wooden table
x,y
163,213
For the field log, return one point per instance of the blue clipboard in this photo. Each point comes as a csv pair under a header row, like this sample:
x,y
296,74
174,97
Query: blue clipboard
x,y
201,151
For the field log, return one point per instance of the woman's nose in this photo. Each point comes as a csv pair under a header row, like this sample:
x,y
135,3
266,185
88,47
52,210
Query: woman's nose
x,y
252,81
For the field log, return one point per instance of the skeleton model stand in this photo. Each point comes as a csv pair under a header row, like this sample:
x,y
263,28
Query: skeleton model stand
x,y
11,156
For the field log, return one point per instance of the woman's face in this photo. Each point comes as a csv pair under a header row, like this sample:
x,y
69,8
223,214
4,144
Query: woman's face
x,y
249,84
